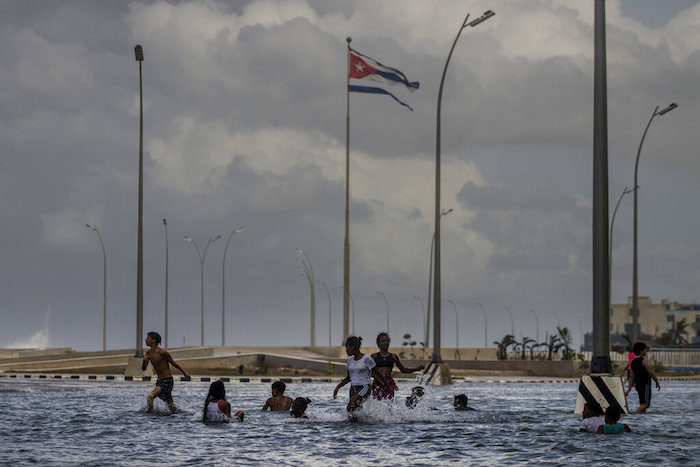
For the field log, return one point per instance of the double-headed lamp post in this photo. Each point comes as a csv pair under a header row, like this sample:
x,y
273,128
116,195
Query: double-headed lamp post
x,y
635,307
223,287
456,324
328,294
537,326
308,272
386,303
486,330
610,243
202,257
422,307
437,292
104,286
512,326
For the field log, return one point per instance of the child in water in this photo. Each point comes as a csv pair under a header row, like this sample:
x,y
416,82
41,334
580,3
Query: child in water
x,y
592,418
216,407
278,402
299,406
461,402
612,417
641,376
361,368
161,361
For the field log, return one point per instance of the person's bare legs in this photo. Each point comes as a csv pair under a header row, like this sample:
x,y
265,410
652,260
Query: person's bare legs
x,y
151,397
642,408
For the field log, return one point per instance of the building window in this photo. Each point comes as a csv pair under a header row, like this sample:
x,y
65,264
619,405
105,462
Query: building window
x,y
670,318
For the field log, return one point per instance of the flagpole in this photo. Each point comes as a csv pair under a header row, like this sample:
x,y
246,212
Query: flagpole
x,y
346,255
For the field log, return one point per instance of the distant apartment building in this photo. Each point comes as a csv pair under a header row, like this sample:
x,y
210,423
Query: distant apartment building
x,y
656,318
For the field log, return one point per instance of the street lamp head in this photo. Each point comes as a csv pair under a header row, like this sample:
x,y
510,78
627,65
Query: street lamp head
x,y
299,250
138,51
487,14
672,106
213,239
189,239
240,229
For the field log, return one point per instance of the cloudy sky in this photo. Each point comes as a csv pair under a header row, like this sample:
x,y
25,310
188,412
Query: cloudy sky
x,y
244,125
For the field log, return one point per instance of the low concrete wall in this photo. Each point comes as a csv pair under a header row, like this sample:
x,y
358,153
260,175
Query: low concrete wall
x,y
261,360
558,368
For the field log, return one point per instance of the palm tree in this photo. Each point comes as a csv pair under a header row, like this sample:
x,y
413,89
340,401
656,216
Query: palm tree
x,y
679,331
503,345
552,345
566,341
522,346
533,347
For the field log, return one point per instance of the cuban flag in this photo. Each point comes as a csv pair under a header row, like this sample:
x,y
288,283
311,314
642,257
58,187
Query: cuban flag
x,y
362,66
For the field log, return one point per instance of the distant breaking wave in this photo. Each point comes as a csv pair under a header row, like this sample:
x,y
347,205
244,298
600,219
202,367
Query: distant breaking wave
x,y
39,340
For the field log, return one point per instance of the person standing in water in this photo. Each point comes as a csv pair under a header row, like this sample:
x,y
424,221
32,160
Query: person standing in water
x,y
385,361
161,361
361,368
641,377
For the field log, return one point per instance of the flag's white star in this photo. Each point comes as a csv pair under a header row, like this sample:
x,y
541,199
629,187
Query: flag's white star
x,y
359,67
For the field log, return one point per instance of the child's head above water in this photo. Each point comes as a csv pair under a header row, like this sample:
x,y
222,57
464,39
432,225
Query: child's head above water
x,y
217,391
279,387
612,415
299,406
460,402
592,409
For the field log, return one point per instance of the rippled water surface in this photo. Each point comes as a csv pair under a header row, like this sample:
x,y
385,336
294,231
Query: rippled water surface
x,y
104,423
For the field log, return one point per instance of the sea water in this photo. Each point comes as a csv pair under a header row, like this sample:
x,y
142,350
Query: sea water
x,y
104,423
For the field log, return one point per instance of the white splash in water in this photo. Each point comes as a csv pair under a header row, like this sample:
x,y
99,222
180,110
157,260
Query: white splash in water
x,y
40,339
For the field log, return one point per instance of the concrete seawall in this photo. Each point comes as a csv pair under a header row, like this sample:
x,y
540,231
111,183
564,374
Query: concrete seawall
x,y
317,360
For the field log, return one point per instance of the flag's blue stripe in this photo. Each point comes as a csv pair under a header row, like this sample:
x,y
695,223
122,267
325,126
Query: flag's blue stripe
x,y
397,75
373,90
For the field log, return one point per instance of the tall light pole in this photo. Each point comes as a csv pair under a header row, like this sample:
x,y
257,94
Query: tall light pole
x,y
223,286
635,306
387,310
610,244
308,271
352,305
104,286
422,307
456,324
138,52
486,331
165,331
328,294
437,292
430,280
537,327
512,326
557,317
202,257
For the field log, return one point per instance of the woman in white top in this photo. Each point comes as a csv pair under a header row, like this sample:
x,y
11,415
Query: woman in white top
x,y
361,368
216,407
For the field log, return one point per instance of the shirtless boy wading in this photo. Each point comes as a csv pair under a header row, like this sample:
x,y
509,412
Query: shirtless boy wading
x,y
161,361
